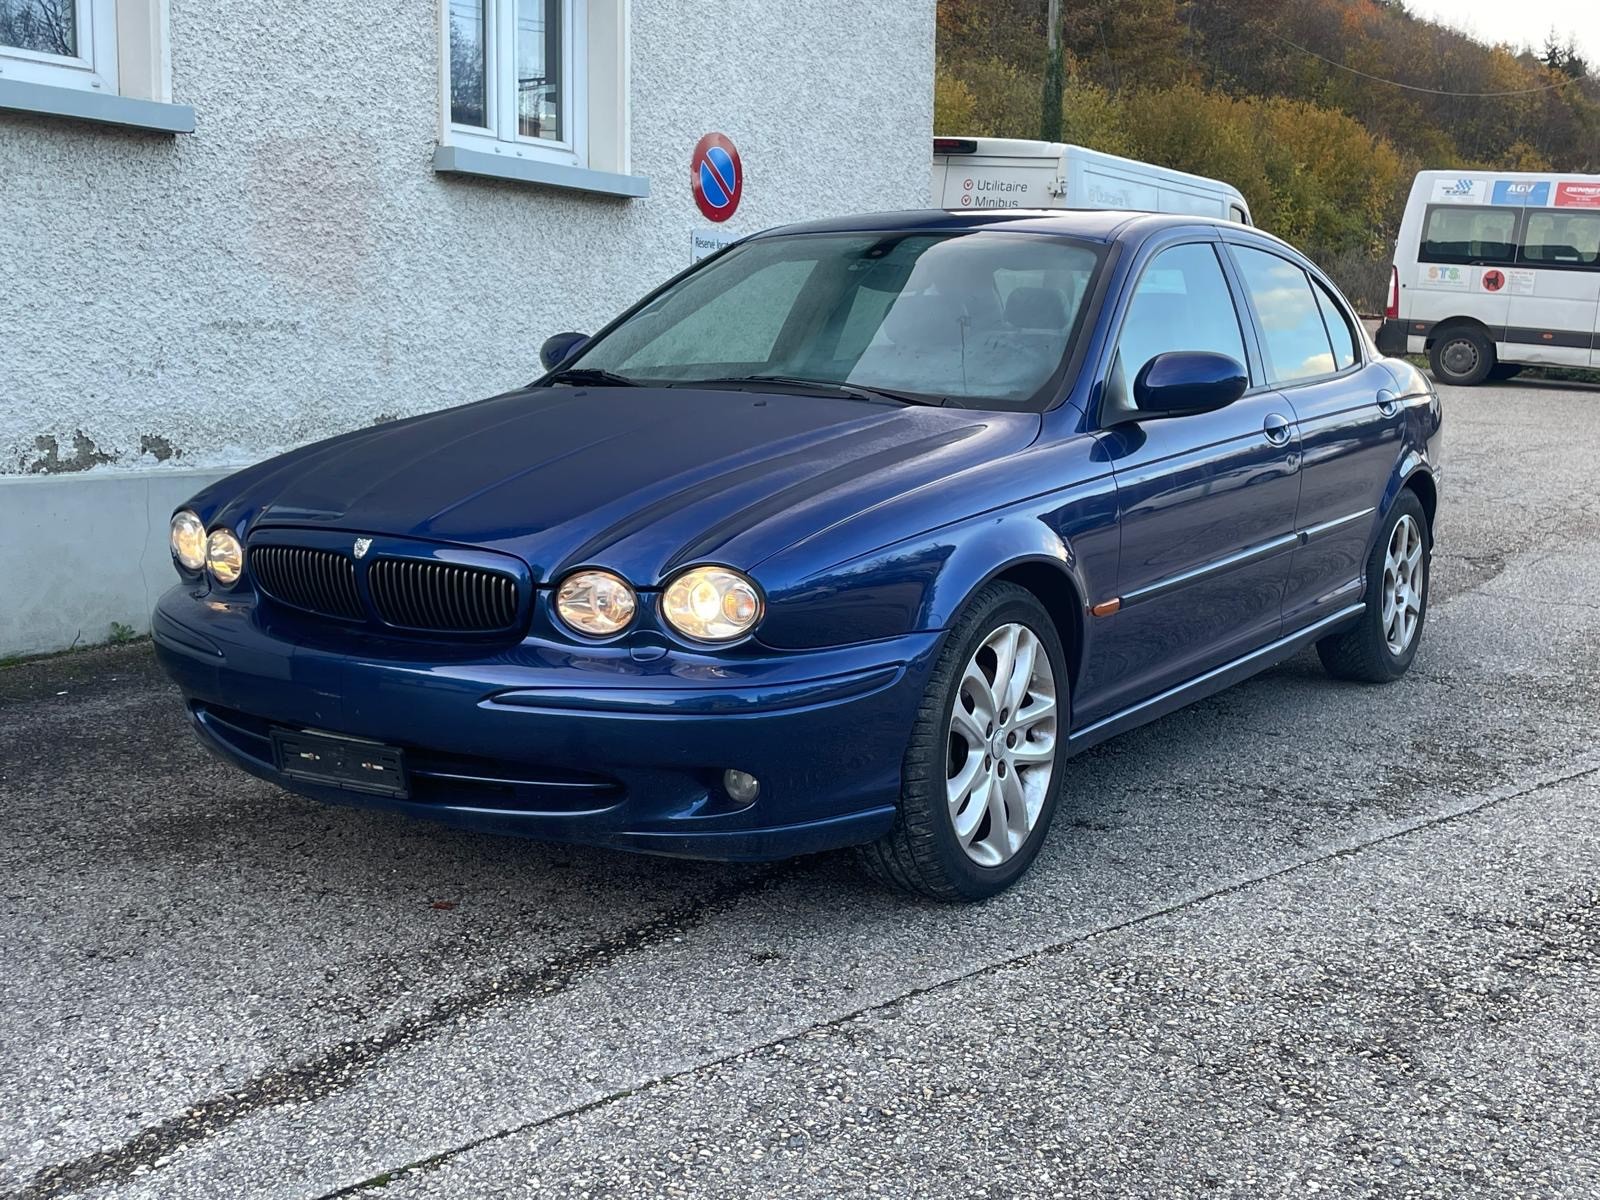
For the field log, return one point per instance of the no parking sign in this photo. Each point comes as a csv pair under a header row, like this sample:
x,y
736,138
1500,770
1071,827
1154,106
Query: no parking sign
x,y
716,176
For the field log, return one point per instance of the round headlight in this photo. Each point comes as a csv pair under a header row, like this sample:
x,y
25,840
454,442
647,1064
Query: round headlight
x,y
596,603
224,557
188,539
711,604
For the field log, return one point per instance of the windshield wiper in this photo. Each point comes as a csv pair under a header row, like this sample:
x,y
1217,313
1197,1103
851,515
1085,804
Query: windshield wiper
x,y
593,376
854,390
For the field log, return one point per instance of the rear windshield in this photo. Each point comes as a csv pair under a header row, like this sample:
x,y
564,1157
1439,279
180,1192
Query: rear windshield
x,y
984,319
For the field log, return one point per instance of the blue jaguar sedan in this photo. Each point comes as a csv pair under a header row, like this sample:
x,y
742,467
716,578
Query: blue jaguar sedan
x,y
849,536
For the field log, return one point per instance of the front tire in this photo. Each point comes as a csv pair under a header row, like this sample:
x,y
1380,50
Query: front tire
x,y
1379,647
1462,356
983,767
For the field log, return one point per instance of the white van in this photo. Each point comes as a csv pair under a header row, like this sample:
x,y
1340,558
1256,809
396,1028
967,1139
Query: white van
x,y
1494,270
977,173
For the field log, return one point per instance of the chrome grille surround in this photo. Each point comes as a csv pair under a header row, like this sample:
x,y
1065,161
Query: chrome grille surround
x,y
390,583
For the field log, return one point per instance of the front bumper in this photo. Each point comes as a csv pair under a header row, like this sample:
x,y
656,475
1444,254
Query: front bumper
x,y
608,747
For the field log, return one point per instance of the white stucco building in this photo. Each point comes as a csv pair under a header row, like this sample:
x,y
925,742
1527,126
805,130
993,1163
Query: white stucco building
x,y
231,227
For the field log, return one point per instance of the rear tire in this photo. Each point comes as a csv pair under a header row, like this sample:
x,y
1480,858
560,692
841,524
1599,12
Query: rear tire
x,y
1462,356
1379,647
968,828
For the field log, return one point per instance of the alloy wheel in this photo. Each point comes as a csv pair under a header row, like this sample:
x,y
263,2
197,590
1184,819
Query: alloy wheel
x,y
1403,581
1002,744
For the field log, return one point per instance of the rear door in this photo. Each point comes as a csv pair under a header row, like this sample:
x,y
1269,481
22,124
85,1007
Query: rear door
x,y
1348,420
1555,287
983,181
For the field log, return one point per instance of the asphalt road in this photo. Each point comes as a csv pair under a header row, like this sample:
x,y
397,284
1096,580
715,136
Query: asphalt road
x,y
1302,938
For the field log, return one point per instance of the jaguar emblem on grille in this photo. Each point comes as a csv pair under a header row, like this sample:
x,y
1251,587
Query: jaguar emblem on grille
x,y
362,546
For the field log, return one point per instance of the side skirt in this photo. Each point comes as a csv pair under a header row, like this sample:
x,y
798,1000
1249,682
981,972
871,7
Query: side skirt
x,y
1213,681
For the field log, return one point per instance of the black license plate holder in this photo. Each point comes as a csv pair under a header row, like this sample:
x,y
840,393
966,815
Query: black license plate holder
x,y
353,763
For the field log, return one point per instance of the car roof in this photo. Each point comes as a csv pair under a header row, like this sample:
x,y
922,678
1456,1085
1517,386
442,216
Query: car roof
x,y
1093,224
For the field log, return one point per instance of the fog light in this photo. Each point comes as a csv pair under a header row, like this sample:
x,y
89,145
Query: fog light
x,y
741,786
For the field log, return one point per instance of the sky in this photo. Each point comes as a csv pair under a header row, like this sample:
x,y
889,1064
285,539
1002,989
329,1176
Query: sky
x,y
1524,23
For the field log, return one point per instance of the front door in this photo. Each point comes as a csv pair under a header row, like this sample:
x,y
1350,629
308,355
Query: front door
x,y
1207,501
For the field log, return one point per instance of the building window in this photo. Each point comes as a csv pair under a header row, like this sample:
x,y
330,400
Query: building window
x,y
515,76
68,43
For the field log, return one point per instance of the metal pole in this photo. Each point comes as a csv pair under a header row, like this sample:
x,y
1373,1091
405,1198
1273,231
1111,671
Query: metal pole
x,y
1055,81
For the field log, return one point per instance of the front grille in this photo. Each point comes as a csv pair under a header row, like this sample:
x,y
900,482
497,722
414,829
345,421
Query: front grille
x,y
441,596
318,581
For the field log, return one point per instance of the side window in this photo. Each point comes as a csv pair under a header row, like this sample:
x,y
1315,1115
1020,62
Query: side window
x,y
1181,302
1562,239
1340,332
111,47
1458,233
1296,341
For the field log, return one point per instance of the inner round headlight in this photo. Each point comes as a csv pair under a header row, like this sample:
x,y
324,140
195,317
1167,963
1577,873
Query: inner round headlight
x,y
711,604
224,557
188,539
597,603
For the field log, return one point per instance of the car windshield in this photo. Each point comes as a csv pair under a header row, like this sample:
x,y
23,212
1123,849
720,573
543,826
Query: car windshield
x,y
977,319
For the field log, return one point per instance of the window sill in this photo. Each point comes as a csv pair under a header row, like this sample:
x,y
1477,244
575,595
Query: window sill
x,y
456,160
98,107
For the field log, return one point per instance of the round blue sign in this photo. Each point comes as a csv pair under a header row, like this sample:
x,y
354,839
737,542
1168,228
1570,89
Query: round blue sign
x,y
715,176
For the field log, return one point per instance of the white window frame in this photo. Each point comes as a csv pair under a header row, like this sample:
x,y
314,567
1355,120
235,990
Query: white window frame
x,y
501,136
94,67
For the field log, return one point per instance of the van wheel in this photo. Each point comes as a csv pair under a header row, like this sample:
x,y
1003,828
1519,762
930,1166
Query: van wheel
x,y
1462,356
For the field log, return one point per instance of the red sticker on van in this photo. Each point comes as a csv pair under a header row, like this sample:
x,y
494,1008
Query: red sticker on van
x,y
1578,195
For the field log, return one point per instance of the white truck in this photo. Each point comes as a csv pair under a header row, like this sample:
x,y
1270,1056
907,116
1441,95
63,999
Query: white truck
x,y
987,173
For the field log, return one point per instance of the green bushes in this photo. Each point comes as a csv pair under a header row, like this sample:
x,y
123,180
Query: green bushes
x,y
1218,87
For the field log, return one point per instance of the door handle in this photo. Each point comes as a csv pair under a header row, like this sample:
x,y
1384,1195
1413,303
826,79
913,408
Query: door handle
x,y
1388,404
1277,428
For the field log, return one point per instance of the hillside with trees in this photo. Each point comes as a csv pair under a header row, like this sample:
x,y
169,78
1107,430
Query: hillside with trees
x,y
1319,111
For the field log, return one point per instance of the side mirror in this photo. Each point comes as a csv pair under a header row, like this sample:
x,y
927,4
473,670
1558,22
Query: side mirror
x,y
1188,381
560,347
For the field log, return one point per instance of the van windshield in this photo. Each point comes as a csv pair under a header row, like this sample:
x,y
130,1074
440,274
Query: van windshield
x,y
983,319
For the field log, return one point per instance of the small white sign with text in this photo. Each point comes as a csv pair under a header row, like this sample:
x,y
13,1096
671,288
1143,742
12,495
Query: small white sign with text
x,y
703,242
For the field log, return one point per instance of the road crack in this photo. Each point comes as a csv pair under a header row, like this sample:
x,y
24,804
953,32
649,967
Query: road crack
x,y
1580,768
344,1064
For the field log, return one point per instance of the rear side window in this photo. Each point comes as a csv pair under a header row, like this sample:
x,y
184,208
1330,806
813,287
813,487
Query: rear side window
x,y
1561,239
1458,233
1340,332
1181,302
1296,340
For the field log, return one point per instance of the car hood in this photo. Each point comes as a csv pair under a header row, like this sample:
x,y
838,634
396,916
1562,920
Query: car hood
x,y
639,480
